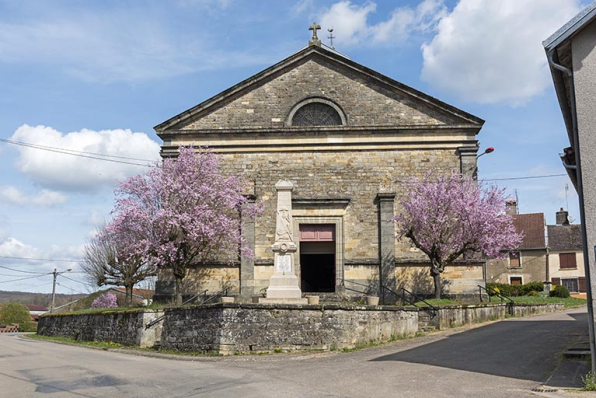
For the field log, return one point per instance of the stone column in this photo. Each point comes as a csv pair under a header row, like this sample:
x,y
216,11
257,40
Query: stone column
x,y
386,203
284,284
468,162
247,265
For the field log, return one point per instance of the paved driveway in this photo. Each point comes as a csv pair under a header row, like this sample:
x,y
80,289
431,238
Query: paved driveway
x,y
502,359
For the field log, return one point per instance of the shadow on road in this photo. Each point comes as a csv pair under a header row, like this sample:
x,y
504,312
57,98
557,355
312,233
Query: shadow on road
x,y
522,348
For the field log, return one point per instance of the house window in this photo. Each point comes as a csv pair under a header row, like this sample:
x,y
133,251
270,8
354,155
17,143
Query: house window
x,y
571,284
515,280
514,259
567,260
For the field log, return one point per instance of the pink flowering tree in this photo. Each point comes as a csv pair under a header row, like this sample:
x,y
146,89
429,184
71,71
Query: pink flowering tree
x,y
453,216
181,213
107,300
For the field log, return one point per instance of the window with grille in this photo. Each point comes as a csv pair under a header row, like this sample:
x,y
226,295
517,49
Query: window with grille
x,y
571,284
316,114
567,260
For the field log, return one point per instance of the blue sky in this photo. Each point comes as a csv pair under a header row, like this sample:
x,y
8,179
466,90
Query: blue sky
x,y
97,76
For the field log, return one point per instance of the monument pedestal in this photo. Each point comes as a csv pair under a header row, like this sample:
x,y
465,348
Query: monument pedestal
x,y
284,285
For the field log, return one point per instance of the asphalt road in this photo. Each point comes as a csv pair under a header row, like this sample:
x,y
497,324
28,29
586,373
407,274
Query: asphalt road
x,y
502,359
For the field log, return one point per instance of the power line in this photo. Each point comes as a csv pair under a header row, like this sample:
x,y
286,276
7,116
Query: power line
x,y
66,152
74,280
25,272
22,279
71,289
38,146
43,259
525,178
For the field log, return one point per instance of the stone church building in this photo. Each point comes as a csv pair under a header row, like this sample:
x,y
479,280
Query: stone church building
x,y
348,139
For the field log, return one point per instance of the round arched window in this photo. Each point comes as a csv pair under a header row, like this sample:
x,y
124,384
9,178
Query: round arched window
x,y
316,114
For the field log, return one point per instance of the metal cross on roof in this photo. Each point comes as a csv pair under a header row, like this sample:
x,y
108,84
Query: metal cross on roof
x,y
315,39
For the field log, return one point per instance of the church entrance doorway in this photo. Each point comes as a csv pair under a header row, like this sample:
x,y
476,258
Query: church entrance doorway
x,y
317,257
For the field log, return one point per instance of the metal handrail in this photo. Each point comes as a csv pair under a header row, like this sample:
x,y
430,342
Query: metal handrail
x,y
435,309
402,296
205,301
499,295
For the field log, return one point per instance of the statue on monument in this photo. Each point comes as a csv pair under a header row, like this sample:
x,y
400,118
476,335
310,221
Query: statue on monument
x,y
283,229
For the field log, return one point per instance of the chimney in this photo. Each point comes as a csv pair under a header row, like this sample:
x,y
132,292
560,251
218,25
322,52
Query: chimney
x,y
562,217
511,207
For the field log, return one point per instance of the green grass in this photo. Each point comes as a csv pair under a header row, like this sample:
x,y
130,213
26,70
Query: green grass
x,y
437,302
568,302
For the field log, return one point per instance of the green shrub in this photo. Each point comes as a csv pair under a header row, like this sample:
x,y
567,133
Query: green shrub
x,y
529,289
15,313
559,291
535,287
589,381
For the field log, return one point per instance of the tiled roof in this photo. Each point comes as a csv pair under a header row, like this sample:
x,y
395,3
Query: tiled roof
x,y
532,227
565,237
33,307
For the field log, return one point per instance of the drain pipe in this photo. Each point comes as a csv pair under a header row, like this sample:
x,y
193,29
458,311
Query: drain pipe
x,y
580,192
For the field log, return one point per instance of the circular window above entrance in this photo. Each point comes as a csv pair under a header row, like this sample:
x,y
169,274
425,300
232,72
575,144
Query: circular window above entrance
x,y
316,112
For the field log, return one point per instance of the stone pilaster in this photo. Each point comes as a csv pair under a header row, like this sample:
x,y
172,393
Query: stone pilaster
x,y
468,160
247,265
386,203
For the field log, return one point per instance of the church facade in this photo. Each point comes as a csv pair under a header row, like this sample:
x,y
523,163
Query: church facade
x,y
348,139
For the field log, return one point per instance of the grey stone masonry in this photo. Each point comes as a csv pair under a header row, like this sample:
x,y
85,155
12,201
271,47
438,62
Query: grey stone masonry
x,y
123,327
244,328
386,204
247,264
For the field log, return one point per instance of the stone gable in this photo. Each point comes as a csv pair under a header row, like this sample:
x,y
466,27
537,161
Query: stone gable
x,y
365,102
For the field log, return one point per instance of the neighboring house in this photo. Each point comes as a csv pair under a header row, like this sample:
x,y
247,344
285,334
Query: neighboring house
x,y
139,296
565,257
528,262
36,310
571,53
346,137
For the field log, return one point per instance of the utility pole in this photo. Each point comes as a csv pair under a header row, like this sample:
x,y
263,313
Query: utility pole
x,y
55,273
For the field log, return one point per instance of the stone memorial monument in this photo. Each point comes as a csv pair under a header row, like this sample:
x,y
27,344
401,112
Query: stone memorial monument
x,y
284,285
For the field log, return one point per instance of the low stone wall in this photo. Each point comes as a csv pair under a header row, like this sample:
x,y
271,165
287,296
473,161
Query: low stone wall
x,y
232,328
451,316
123,327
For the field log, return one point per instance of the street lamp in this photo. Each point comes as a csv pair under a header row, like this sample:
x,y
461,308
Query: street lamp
x,y
487,150
56,273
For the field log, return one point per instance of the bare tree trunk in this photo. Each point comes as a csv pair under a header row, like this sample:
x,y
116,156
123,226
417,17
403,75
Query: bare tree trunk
x,y
128,296
178,290
436,274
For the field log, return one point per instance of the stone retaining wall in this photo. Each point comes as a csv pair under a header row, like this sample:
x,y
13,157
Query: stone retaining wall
x,y
231,328
123,327
451,316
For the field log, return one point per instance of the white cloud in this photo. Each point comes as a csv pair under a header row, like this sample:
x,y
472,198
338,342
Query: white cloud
x,y
128,45
58,171
11,247
490,51
43,198
351,26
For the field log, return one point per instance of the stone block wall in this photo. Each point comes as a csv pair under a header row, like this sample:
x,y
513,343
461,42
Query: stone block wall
x,y
451,316
231,328
123,327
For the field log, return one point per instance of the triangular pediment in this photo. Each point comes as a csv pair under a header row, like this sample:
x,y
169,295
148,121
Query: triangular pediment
x,y
366,98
